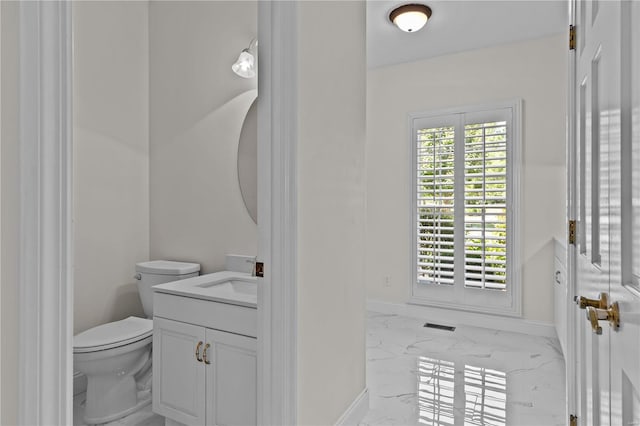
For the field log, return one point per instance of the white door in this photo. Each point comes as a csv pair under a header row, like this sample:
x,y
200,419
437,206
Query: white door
x,y
595,68
231,370
179,371
608,355
625,282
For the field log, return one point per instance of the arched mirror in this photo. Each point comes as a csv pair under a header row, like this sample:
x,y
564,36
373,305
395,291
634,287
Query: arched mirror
x,y
248,161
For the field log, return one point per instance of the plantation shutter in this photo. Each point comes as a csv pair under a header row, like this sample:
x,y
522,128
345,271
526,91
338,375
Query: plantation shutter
x,y
485,206
463,226
435,204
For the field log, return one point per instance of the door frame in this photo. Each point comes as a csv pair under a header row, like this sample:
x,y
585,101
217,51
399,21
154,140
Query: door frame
x,y
45,302
277,212
45,365
572,214
1,339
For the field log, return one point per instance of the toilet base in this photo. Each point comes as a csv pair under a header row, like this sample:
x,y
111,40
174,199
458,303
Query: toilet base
x,y
143,400
113,389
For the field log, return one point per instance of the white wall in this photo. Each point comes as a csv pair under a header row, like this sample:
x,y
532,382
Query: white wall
x,y
111,158
197,107
331,145
535,71
10,214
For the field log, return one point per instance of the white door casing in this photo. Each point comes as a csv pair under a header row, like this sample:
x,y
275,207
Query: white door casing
x,y
572,197
45,367
46,285
277,204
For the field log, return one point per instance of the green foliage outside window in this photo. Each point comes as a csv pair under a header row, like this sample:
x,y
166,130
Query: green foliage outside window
x,y
485,193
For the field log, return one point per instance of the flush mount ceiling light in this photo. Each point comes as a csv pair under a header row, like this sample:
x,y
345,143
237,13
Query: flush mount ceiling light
x,y
410,17
245,66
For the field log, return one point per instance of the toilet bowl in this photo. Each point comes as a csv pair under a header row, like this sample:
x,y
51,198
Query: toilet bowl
x,y
111,356
116,357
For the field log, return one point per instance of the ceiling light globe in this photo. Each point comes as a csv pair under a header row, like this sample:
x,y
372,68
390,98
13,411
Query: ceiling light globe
x,y
410,17
411,21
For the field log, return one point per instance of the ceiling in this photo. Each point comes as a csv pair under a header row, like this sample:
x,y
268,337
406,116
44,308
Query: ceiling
x,y
459,25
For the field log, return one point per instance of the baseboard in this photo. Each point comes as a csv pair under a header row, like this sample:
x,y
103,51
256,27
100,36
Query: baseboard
x,y
79,383
454,317
356,411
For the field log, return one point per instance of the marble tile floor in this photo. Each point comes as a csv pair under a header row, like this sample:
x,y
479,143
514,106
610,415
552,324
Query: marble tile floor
x,y
471,376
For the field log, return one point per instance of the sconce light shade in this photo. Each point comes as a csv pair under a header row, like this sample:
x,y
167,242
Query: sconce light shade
x,y
410,17
245,66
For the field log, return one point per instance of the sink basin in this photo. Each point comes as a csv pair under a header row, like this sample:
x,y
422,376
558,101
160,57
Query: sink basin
x,y
234,285
235,288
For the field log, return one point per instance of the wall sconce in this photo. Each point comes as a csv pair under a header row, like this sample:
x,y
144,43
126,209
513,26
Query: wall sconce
x,y
410,17
245,66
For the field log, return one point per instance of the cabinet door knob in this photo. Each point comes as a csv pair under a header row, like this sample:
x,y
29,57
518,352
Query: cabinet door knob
x,y
204,355
198,351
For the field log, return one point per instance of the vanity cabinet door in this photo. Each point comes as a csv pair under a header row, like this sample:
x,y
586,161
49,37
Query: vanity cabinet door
x,y
178,375
231,379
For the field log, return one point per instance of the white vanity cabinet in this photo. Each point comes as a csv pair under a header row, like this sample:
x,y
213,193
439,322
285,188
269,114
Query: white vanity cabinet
x,y
231,386
204,361
179,379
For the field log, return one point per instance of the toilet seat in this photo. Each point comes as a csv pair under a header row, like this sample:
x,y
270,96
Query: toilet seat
x,y
113,335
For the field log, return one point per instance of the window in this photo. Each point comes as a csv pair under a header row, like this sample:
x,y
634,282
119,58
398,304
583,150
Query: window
x,y
465,177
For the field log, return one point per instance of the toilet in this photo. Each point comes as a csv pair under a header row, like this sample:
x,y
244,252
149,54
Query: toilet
x,y
116,357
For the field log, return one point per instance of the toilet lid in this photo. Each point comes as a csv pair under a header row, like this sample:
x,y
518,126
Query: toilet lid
x,y
113,334
167,267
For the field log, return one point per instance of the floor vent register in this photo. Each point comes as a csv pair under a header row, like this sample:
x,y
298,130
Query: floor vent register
x,y
439,326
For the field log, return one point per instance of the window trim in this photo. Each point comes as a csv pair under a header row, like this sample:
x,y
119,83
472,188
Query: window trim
x,y
453,298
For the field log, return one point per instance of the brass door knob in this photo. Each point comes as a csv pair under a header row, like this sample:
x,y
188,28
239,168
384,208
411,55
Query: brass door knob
x,y
611,314
601,303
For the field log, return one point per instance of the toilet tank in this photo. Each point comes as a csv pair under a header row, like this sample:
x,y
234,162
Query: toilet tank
x,y
156,272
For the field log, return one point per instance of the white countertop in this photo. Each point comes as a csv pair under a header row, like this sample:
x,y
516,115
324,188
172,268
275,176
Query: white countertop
x,y
216,287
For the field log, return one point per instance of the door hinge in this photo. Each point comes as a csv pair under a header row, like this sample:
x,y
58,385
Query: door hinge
x,y
572,37
572,232
260,269
573,420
